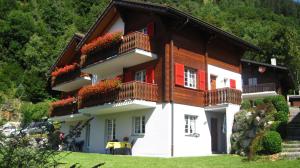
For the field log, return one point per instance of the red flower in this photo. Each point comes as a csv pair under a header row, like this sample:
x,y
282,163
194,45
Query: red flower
x,y
66,69
102,42
101,87
63,102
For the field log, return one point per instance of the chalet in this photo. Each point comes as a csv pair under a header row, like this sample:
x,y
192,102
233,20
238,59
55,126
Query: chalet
x,y
168,82
262,79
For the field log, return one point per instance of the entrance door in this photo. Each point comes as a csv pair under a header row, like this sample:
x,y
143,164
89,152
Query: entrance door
x,y
214,134
110,130
213,82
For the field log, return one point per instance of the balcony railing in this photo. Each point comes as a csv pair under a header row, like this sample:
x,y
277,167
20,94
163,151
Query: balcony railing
x,y
259,88
134,40
221,96
127,91
56,80
64,110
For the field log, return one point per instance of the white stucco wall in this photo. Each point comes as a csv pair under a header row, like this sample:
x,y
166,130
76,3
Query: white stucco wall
x,y
185,145
117,26
231,110
155,142
223,74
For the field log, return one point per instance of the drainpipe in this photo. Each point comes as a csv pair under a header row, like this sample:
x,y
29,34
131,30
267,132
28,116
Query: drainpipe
x,y
171,96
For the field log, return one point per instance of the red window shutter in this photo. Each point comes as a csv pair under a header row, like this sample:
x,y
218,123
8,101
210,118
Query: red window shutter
x,y
150,29
128,76
150,75
232,83
202,78
179,74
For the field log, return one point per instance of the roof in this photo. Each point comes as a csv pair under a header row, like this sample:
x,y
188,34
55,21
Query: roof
x,y
263,64
76,36
164,9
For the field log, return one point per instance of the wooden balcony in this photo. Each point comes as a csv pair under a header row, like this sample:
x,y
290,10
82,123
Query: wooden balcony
x,y
68,109
126,92
222,96
135,48
70,81
259,88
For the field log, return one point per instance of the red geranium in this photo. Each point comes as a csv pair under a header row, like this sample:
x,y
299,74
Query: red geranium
x,y
63,102
102,42
100,87
66,69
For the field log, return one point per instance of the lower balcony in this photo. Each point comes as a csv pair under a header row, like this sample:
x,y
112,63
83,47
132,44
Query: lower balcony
x,y
128,96
65,110
222,96
259,90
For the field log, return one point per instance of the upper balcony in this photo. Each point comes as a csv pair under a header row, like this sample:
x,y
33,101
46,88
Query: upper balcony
x,y
132,49
127,96
69,78
259,90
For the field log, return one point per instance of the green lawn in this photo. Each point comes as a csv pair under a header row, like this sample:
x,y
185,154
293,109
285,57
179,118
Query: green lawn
x,y
231,161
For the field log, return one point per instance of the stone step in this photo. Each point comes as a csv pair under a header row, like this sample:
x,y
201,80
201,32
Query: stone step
x,y
290,155
291,149
292,140
290,145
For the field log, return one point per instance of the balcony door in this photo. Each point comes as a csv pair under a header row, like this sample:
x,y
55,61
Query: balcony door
x,y
213,82
110,127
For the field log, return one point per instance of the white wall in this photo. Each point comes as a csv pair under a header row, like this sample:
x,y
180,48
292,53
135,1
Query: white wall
x,y
185,145
155,142
223,74
117,26
231,110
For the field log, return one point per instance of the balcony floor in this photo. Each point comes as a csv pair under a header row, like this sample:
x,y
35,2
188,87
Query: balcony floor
x,y
118,62
73,85
110,108
70,118
256,95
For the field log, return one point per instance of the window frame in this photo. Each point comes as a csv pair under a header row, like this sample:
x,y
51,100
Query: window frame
x,y
141,125
143,75
190,77
190,124
251,81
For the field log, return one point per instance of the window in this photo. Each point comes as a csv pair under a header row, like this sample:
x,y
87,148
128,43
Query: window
x,y
140,76
190,77
87,135
110,129
252,81
139,125
144,30
190,124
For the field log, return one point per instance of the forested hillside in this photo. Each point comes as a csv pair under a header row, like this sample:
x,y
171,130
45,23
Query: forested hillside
x,y
34,32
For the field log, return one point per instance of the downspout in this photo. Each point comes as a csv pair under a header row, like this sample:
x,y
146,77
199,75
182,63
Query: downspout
x,y
171,95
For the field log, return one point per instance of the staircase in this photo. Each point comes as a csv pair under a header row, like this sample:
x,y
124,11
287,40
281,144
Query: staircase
x,y
291,146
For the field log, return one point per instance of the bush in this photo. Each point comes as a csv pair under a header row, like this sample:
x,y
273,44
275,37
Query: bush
x,y
246,104
272,142
279,103
34,112
281,116
258,102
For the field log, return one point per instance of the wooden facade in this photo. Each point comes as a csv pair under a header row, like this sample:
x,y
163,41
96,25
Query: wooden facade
x,y
176,39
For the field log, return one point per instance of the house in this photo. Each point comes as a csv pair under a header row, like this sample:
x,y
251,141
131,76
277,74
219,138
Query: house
x,y
181,82
262,79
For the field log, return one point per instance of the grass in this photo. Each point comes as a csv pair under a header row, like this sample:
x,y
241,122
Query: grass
x,y
87,160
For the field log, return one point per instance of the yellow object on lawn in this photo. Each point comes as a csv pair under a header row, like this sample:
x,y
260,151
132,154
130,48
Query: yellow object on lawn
x,y
118,145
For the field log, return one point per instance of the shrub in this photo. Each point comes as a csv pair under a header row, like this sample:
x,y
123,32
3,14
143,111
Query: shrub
x,y
272,142
279,103
246,104
281,116
65,69
258,102
102,42
34,112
